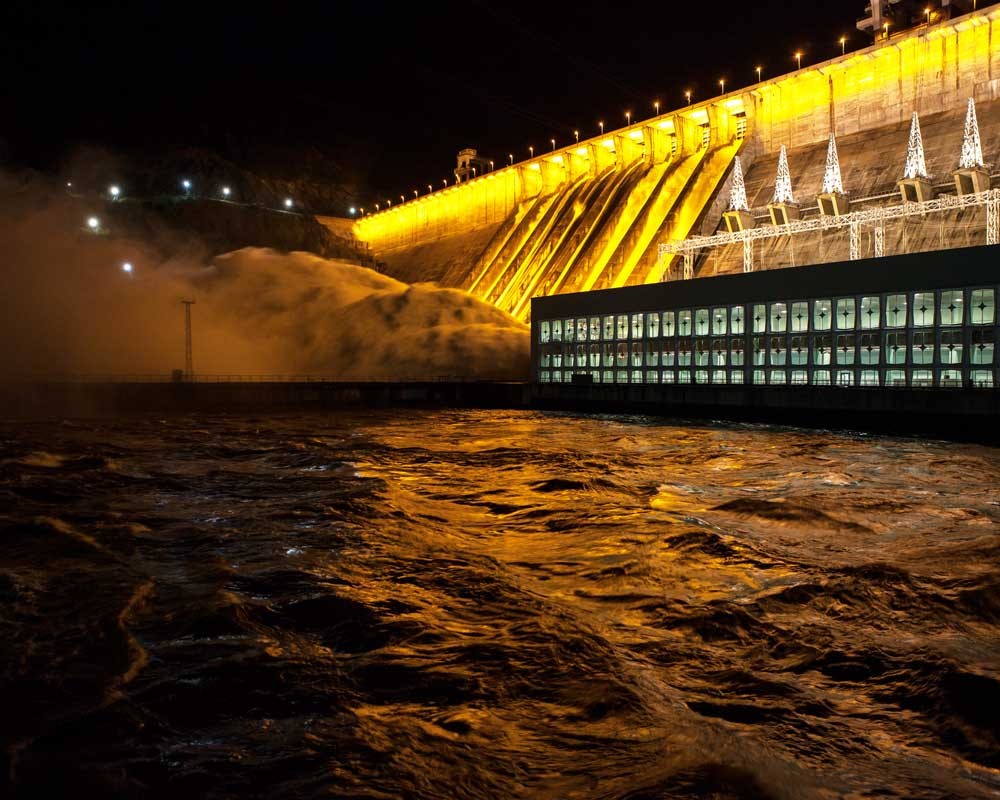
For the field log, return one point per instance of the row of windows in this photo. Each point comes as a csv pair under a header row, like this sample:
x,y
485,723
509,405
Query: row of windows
x,y
890,347
892,378
918,309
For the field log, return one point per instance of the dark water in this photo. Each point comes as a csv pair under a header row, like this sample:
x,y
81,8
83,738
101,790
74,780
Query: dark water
x,y
492,605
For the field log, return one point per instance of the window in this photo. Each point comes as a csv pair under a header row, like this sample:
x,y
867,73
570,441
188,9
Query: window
x,y
799,351
921,379
719,350
569,328
544,332
622,329
982,307
581,355
982,345
759,319
735,376
821,377
701,322
922,347
684,323
981,379
701,352
777,377
637,376
667,354
718,376
870,347
557,357
759,351
821,350
637,326
845,377
736,352
821,315
652,354
545,377
607,376
845,314
569,360
546,358
637,354
701,376
652,325
652,376
668,324
581,329
621,376
595,356
669,376
557,330
779,317
778,352
951,307
950,378
595,375
869,377
951,346
736,320
719,319
895,348
800,317
609,357
895,378
609,328
870,312
684,352
684,376
800,377
758,376
923,308
895,311
845,349
621,355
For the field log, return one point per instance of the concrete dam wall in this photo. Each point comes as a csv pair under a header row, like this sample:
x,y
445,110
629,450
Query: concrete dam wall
x,y
592,215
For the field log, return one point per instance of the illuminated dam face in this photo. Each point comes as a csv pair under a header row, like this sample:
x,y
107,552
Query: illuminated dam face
x,y
591,215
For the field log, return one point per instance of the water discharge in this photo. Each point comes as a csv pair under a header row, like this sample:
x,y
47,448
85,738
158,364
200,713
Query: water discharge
x,y
484,605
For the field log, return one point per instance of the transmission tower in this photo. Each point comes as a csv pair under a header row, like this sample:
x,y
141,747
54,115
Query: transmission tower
x,y
188,360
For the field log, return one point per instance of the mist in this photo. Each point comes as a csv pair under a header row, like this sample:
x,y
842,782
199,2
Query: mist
x,y
71,309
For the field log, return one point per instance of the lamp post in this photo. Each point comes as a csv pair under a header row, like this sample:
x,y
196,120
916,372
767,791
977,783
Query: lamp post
x,y
511,157
927,12
687,94
429,188
656,107
553,143
114,191
759,71
531,150
226,191
843,45
798,58
628,117
576,135
601,123
722,85
491,165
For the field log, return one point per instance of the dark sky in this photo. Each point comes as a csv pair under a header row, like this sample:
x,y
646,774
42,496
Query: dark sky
x,y
392,89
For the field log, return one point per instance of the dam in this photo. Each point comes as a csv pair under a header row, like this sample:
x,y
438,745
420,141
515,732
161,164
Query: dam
x,y
596,214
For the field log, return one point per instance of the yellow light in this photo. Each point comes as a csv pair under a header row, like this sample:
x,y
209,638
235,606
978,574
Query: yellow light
x,y
687,94
759,70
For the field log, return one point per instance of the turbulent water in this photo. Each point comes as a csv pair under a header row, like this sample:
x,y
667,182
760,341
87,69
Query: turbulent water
x,y
493,605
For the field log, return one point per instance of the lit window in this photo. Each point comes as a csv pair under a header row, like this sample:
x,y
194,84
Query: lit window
x,y
923,308
718,376
759,351
821,315
652,326
777,377
895,348
735,376
652,376
669,376
736,352
895,311
595,329
701,322
595,376
895,378
921,378
821,350
982,345
621,376
869,377
637,326
950,378
778,352
684,376
952,307
544,332
569,329
668,324
870,348
758,376
684,352
622,329
701,376
595,357
951,346
609,328
652,354
719,322
719,350
701,352
800,377
609,356
922,347
799,351
845,378
981,379
607,376
581,329
667,355
845,349
557,328
870,312
759,318
736,320
982,307
637,376
800,317
845,314
546,377
569,360
637,354
821,377
546,358
621,356
684,323
581,355
779,317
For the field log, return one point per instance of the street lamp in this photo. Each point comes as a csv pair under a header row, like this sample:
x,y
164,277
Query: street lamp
x,y
114,191
511,157
628,117
127,268
352,211
576,135
531,150
843,45
288,202
656,107
885,30
601,123
927,11
226,191
491,165
759,71
798,58
93,223
722,85
416,193
402,198
444,182
553,143
186,184
687,94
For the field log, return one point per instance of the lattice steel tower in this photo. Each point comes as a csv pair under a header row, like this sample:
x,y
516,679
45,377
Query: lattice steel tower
x,y
188,360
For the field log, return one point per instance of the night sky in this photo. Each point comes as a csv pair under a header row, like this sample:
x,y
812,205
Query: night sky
x,y
392,90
